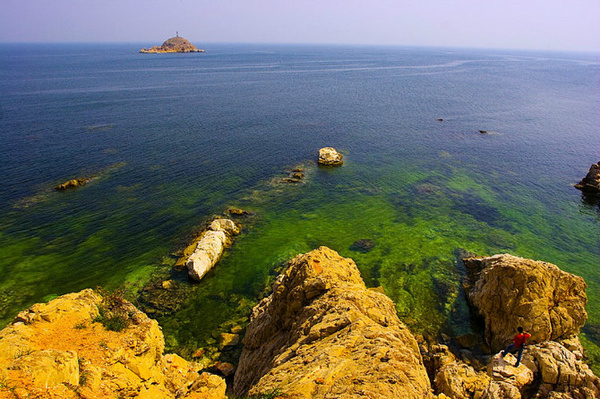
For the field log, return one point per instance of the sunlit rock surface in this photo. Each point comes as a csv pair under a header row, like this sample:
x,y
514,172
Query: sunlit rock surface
x,y
323,334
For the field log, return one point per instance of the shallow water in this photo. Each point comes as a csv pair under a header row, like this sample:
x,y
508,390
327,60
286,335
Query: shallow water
x,y
172,140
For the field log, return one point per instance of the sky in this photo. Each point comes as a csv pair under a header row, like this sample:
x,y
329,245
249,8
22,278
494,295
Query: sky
x,y
572,25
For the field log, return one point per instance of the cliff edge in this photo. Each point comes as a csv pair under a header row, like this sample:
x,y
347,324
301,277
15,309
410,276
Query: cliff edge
x,y
323,334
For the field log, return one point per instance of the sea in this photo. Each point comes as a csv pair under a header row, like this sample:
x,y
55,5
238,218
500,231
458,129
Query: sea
x,y
447,152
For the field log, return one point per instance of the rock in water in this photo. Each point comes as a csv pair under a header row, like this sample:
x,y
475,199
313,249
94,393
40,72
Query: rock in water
x,y
328,156
209,247
321,333
591,182
363,245
173,45
509,292
74,183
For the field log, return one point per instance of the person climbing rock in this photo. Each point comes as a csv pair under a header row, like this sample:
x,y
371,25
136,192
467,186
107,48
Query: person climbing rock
x,y
517,345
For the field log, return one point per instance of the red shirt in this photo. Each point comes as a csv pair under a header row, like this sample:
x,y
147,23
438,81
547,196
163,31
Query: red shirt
x,y
520,339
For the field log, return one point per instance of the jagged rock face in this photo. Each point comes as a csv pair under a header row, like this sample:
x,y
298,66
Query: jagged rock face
x,y
56,350
330,157
509,291
591,182
548,370
323,334
560,371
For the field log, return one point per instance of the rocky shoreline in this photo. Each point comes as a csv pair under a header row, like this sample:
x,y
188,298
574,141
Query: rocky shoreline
x,y
320,334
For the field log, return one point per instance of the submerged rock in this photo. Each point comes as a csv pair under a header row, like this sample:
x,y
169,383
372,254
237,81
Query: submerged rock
x,y
58,350
509,291
363,245
322,333
328,156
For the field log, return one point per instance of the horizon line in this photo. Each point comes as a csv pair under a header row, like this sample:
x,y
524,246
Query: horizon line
x,y
432,46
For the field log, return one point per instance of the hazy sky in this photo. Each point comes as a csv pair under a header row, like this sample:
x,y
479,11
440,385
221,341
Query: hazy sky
x,y
530,24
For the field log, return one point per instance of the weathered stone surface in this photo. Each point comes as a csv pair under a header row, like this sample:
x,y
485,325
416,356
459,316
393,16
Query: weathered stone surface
x,y
173,45
509,291
560,370
57,350
503,370
591,182
330,157
322,334
209,247
460,381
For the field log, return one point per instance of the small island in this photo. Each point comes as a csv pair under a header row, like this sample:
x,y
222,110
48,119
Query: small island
x,y
173,45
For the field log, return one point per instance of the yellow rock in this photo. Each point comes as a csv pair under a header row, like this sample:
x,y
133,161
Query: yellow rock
x,y
55,351
322,333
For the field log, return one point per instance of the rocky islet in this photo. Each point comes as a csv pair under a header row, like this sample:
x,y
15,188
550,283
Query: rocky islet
x,y
175,44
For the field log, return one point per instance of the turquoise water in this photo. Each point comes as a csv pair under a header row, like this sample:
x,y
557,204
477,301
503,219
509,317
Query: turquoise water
x,y
174,139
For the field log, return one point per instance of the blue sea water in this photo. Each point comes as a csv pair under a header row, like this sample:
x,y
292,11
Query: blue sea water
x,y
174,139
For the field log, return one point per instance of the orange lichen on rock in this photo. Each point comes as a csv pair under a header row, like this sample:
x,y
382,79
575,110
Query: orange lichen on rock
x,y
59,350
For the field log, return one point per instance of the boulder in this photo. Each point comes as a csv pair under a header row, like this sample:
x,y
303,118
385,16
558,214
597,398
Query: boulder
x,y
509,291
591,182
209,247
59,350
322,333
328,156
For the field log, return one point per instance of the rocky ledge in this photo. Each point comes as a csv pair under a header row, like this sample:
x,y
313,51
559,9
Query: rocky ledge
x,y
67,349
173,45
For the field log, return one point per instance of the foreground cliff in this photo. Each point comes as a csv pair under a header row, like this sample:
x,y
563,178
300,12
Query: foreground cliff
x,y
507,292
320,334
323,334
66,349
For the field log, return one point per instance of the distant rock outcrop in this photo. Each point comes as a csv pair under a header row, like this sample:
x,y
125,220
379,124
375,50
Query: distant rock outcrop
x,y
173,45
591,182
509,291
62,350
323,334
73,183
328,156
